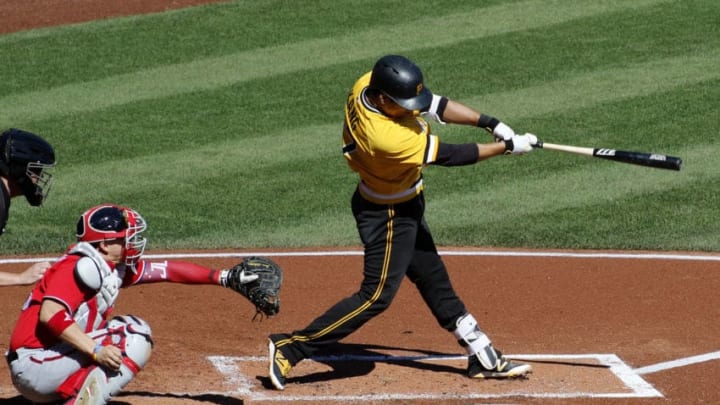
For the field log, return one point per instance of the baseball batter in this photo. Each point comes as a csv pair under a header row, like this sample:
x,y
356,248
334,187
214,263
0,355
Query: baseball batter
x,y
66,344
388,142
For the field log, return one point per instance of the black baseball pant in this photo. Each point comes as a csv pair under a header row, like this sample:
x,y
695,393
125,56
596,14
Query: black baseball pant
x,y
398,243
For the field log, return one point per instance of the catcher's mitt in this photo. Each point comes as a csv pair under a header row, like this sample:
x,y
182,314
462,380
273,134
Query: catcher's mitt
x,y
259,280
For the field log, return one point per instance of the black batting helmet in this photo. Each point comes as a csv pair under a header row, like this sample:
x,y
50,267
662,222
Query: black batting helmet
x,y
400,79
25,158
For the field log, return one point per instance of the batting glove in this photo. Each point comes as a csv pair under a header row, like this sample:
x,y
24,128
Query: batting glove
x,y
502,132
519,144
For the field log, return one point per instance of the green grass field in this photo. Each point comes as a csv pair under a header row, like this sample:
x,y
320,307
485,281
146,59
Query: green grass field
x,y
221,124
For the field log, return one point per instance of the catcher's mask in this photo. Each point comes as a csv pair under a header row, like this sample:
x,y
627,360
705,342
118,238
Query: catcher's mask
x,y
108,222
26,158
402,81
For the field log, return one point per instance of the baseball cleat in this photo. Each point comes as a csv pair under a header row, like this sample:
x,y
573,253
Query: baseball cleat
x,y
504,368
279,366
91,393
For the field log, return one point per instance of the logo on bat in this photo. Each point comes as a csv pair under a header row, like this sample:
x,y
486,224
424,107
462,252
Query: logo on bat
x,y
605,152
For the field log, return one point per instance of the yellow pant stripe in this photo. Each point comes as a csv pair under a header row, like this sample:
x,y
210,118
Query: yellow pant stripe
x,y
375,296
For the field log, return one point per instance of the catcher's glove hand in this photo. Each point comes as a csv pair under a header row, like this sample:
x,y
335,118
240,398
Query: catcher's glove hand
x,y
259,280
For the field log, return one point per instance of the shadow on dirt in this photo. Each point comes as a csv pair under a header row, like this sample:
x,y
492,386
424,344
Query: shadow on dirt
x,y
204,398
354,360
18,400
562,363
117,400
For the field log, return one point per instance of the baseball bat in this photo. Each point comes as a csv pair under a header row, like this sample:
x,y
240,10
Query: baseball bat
x,y
636,158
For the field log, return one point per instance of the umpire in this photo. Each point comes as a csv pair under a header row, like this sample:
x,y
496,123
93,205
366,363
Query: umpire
x,y
25,163
387,141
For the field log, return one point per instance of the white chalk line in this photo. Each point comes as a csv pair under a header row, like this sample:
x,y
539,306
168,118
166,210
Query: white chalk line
x,y
620,369
639,388
234,377
479,253
667,365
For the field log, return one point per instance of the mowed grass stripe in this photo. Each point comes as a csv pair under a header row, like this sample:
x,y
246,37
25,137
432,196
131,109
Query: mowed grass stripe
x,y
597,183
231,168
249,161
211,73
249,157
257,153
602,86
575,93
593,185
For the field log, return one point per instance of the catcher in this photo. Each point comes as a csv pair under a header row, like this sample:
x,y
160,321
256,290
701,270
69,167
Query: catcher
x,y
66,347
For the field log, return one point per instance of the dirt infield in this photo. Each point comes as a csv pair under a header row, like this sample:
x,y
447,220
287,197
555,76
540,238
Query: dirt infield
x,y
598,327
18,15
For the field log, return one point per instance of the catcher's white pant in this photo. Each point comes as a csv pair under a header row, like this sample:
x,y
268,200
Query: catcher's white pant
x,y
38,374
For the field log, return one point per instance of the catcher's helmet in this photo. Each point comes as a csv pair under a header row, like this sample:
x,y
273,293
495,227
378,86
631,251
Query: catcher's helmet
x,y
26,158
400,79
108,222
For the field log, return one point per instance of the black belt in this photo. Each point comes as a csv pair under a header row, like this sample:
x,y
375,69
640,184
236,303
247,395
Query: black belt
x,y
10,357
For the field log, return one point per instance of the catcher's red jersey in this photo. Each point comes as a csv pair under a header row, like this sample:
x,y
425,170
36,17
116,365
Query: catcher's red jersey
x,y
60,285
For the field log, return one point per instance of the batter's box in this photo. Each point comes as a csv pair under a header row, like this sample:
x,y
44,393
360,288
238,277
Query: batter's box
x,y
354,378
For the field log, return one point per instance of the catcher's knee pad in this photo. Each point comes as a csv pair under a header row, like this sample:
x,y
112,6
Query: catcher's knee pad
x,y
134,337
475,341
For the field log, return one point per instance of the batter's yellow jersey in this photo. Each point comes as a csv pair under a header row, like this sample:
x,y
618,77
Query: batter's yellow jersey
x,y
388,154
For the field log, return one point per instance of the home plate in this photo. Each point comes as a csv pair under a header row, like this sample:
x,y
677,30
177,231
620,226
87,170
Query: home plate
x,y
385,377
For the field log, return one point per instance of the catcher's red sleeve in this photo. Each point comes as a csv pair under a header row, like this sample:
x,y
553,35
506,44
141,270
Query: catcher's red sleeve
x,y
176,272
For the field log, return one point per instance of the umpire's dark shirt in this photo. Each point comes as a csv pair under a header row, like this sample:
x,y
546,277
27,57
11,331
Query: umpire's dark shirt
x,y
4,208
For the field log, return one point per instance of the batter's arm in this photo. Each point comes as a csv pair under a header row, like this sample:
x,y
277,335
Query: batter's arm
x,y
467,153
458,113
455,112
